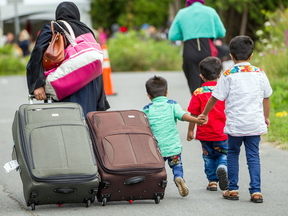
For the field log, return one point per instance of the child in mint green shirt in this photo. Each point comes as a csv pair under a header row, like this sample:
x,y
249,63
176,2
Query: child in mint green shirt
x,y
163,114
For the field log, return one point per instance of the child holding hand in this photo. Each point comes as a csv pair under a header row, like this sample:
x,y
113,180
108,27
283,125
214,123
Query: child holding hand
x,y
163,114
211,135
246,91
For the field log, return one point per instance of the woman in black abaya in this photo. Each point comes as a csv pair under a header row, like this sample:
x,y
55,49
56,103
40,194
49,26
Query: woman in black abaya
x,y
92,96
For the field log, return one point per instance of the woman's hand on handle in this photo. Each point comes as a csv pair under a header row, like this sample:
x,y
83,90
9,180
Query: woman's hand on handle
x,y
40,93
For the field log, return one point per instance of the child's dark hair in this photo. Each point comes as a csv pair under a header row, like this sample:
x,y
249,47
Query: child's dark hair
x,y
156,86
210,68
241,47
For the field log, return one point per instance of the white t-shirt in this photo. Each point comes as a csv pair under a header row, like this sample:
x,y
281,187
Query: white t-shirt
x,y
243,88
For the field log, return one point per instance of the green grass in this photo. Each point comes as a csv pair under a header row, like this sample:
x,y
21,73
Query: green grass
x,y
271,54
278,130
277,72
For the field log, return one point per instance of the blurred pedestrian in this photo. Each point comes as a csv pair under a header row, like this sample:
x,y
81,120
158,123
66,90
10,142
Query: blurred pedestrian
x,y
107,32
152,31
223,50
10,38
114,29
162,33
24,42
102,35
197,25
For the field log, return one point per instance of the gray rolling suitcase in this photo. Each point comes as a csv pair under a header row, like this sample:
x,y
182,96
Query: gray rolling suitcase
x,y
55,154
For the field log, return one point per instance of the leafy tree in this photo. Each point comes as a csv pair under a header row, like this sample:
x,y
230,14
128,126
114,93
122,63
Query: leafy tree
x,y
129,12
153,12
106,12
244,16
238,16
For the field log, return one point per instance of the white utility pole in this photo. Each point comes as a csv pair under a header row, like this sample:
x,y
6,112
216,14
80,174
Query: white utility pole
x,y
16,18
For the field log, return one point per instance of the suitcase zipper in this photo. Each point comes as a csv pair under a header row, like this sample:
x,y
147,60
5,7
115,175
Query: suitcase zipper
x,y
39,109
126,170
66,179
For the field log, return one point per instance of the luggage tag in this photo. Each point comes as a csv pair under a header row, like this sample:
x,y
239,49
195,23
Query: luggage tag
x,y
12,165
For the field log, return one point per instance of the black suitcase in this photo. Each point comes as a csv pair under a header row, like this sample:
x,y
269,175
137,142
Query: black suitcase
x,y
55,155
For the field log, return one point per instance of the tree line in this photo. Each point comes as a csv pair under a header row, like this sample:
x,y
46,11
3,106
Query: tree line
x,y
239,16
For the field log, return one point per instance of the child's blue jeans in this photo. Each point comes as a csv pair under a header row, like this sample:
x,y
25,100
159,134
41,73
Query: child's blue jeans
x,y
175,163
251,144
215,156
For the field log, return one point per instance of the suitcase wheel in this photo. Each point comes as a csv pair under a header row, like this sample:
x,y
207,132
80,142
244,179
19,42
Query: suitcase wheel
x,y
104,201
157,199
33,206
88,203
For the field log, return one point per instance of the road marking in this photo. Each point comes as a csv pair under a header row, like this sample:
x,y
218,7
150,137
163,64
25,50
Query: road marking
x,y
3,121
10,195
3,81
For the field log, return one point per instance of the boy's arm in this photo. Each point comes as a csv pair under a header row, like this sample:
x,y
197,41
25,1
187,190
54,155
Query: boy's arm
x,y
210,104
266,106
190,133
192,119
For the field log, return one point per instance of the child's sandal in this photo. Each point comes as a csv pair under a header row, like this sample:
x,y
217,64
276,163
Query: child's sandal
x,y
212,186
231,194
256,197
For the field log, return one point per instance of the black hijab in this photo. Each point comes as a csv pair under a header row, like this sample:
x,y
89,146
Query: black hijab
x,y
69,12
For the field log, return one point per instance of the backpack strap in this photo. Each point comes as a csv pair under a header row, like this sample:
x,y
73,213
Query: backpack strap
x,y
68,36
69,29
52,27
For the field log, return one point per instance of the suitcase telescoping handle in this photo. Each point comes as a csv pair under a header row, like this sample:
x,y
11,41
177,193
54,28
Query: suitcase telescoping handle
x,y
134,180
32,97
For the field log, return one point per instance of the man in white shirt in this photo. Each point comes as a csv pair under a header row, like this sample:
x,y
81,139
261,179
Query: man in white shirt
x,y
246,91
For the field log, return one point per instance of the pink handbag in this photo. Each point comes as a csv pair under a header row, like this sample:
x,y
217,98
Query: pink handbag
x,y
83,63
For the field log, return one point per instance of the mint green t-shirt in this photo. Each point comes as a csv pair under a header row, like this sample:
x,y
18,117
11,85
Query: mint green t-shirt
x,y
163,114
196,21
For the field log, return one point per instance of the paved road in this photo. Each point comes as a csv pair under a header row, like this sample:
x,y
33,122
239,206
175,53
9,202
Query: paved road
x,y
131,94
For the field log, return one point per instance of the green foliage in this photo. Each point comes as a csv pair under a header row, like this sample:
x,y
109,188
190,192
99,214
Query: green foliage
x,y
134,52
271,48
105,12
129,12
255,7
9,63
278,130
6,50
153,12
271,55
279,98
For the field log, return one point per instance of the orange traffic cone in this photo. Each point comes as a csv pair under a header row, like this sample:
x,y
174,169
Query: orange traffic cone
x,y
107,75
